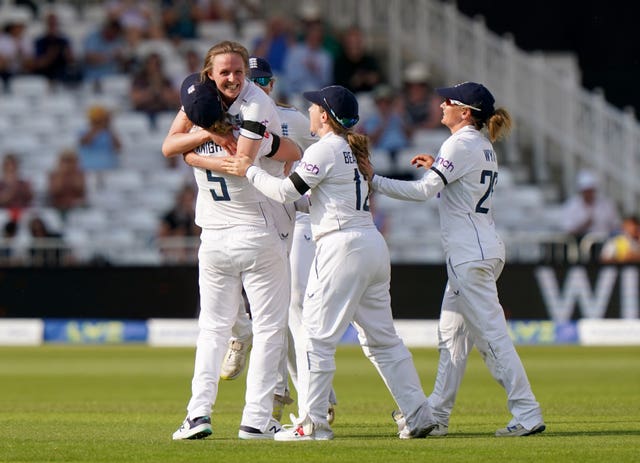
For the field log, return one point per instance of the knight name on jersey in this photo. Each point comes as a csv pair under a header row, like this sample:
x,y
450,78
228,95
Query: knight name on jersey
x,y
208,148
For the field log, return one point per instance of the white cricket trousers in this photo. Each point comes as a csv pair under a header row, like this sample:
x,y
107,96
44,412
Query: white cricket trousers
x,y
228,260
303,249
349,282
470,315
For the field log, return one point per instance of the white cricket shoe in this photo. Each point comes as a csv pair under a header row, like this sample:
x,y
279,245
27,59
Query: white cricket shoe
x,y
198,428
305,430
428,428
249,432
519,430
235,359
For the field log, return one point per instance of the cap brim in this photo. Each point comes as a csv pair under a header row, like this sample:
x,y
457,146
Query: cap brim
x,y
255,73
314,97
448,92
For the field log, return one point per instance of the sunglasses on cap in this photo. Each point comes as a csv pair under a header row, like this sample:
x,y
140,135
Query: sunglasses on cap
x,y
346,122
450,102
261,81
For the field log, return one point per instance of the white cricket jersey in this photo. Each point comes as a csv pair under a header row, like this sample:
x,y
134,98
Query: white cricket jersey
x,y
464,173
338,190
225,200
295,125
254,106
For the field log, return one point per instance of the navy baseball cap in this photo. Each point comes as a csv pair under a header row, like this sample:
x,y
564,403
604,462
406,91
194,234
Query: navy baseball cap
x,y
201,101
259,67
339,102
472,94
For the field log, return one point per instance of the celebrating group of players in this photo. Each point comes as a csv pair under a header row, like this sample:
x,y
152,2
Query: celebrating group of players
x,y
283,203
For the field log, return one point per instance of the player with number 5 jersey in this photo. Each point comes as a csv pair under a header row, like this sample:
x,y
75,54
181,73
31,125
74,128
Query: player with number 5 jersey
x,y
463,175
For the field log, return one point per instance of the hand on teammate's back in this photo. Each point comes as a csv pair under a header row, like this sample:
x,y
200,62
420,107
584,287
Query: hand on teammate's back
x,y
236,165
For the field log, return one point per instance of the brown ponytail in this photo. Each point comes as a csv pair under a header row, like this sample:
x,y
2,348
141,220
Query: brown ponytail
x,y
358,143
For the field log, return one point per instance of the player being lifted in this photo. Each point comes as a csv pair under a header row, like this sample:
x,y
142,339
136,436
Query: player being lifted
x,y
463,175
240,244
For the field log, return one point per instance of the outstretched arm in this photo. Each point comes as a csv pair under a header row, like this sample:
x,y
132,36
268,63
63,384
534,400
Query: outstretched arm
x,y
414,190
281,190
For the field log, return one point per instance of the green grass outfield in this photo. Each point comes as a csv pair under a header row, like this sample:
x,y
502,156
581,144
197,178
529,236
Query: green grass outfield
x,y
122,403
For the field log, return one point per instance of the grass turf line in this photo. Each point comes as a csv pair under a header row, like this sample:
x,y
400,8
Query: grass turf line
x,y
122,403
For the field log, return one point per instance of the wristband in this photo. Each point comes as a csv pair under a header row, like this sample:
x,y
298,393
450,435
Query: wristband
x,y
275,144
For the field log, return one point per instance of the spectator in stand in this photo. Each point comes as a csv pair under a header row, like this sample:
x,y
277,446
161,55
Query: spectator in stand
x,y
386,127
135,14
310,15
8,255
16,51
99,144
276,42
588,211
421,104
180,18
104,52
152,90
67,185
179,220
48,248
15,192
625,246
355,68
308,65
53,55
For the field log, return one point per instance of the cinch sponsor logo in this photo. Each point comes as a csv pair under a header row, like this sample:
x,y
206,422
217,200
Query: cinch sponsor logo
x,y
312,168
445,164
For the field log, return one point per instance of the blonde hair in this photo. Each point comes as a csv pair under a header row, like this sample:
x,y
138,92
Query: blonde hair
x,y
224,47
358,143
498,124
97,113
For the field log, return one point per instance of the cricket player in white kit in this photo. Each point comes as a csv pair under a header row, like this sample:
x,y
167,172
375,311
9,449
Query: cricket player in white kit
x,y
350,275
240,244
463,176
295,126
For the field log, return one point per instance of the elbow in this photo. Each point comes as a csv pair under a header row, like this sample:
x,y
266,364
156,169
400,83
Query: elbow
x,y
166,152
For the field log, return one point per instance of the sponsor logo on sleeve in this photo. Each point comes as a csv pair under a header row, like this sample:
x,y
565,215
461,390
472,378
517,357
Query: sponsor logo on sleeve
x,y
445,164
308,167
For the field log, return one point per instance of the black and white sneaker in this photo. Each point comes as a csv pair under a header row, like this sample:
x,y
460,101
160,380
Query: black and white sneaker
x,y
197,428
249,432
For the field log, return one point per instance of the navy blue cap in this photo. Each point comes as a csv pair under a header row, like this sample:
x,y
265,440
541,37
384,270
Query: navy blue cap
x,y
201,101
471,94
339,102
259,67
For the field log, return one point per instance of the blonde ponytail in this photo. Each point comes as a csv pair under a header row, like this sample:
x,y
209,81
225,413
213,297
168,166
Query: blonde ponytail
x,y
499,124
